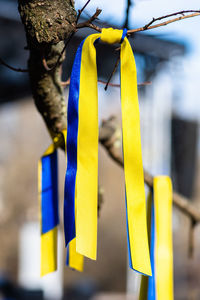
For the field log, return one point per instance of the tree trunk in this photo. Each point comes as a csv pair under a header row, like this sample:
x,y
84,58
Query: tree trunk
x,y
47,24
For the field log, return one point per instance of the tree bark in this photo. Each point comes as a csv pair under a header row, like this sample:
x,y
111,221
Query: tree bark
x,y
47,24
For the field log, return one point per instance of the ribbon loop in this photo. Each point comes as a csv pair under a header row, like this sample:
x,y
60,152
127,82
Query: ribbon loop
x,y
111,36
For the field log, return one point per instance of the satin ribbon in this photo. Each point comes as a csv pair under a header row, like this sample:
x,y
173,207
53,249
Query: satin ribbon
x,y
49,217
160,285
82,153
74,260
49,213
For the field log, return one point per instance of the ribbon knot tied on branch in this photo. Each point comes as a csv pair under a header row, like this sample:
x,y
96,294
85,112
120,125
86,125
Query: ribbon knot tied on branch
x,y
108,37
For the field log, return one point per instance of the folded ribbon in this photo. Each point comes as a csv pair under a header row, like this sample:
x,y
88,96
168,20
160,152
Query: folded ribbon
x,y
82,153
160,285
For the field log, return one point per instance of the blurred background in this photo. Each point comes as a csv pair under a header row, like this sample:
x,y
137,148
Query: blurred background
x,y
168,58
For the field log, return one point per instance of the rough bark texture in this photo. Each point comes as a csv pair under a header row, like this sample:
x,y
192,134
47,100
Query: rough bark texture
x,y
47,23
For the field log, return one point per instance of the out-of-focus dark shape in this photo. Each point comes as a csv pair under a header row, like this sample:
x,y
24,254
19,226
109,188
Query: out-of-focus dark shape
x,y
184,154
13,85
82,290
11,291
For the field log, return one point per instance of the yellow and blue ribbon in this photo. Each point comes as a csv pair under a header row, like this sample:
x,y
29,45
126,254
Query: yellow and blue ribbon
x,y
80,202
74,260
49,213
160,285
48,197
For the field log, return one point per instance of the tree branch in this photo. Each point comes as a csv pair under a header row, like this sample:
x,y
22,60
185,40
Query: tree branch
x,y
88,23
147,26
108,136
81,10
170,15
47,24
113,72
2,62
67,83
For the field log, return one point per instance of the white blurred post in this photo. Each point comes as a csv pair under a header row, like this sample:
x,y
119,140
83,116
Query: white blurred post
x,y
29,263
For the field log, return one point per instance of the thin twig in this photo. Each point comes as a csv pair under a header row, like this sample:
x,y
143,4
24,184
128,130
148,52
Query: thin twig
x,y
81,10
113,72
147,27
169,15
88,23
144,28
118,85
12,68
67,83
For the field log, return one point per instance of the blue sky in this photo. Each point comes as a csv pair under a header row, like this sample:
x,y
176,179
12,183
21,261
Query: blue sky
x,y
186,30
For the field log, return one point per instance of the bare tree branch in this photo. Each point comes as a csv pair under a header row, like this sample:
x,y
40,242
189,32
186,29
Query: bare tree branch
x,y
147,26
113,72
81,10
108,137
2,62
169,15
88,23
67,83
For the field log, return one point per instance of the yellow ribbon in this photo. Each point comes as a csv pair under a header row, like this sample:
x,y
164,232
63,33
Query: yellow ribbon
x,y
87,153
160,285
163,247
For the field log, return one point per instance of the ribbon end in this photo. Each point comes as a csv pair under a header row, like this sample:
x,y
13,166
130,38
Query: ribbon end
x,y
86,251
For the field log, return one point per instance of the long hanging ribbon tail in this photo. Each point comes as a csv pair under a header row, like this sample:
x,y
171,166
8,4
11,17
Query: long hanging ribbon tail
x,y
160,285
133,166
82,153
49,219
74,260
145,279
